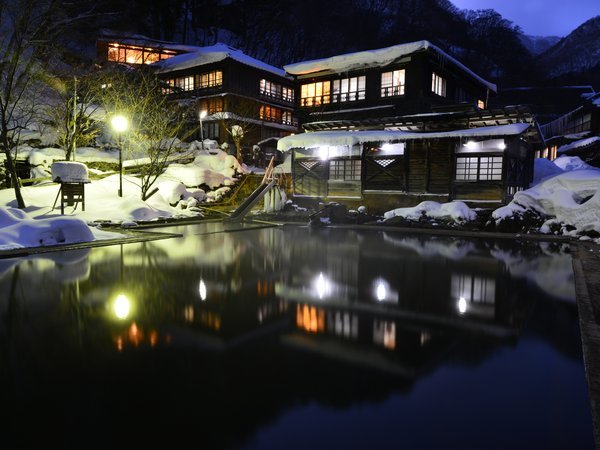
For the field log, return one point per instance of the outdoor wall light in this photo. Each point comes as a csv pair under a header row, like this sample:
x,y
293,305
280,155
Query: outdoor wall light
x,y
502,145
324,153
471,145
462,305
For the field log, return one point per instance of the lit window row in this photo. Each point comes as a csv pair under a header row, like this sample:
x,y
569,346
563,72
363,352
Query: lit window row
x,y
275,90
200,81
136,55
350,89
273,114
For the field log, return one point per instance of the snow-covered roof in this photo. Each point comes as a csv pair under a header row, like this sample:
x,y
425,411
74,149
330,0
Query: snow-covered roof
x,y
350,138
143,41
207,55
579,144
375,58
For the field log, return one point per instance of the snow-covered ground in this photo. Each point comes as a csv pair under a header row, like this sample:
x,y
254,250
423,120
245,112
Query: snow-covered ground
x,y
178,196
565,192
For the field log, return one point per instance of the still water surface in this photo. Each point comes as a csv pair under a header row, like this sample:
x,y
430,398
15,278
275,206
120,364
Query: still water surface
x,y
291,338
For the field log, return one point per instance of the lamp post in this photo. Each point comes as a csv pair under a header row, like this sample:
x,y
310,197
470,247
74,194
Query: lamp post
x,y
120,124
201,115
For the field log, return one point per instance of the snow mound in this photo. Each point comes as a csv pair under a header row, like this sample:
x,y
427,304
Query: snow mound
x,y
568,163
18,231
455,211
544,168
573,198
70,172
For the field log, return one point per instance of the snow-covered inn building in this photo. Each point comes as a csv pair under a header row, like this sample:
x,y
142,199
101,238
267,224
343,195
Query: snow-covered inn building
x,y
388,169
576,133
411,78
226,83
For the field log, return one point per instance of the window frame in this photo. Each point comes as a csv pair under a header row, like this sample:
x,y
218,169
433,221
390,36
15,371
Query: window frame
x,y
479,168
317,93
398,89
350,89
438,84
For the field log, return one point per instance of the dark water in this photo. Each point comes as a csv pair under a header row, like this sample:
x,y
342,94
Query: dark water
x,y
293,339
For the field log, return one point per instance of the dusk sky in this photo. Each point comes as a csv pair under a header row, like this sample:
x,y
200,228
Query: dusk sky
x,y
540,17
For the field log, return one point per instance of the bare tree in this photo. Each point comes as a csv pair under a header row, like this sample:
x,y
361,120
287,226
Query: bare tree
x,y
240,124
157,124
28,32
73,112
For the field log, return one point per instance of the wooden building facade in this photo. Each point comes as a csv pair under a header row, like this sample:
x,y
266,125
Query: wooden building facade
x,y
411,78
576,133
229,86
387,169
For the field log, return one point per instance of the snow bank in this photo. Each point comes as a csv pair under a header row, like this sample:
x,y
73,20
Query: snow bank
x,y
568,163
19,231
455,211
573,198
213,169
544,168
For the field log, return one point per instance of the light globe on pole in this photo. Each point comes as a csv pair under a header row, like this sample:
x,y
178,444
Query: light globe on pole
x,y
201,115
120,124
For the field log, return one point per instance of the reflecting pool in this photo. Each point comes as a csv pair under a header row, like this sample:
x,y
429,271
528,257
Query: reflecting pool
x,y
293,338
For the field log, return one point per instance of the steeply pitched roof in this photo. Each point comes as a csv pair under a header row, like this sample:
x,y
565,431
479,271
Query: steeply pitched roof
x,y
200,56
375,58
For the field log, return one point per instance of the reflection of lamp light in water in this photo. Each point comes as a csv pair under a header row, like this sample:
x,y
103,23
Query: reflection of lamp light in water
x,y
462,305
122,307
202,290
381,291
322,286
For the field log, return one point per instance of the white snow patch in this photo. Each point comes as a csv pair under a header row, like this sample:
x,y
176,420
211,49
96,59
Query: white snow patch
x,y
208,55
573,198
578,144
378,58
17,230
544,168
568,163
455,211
70,172
350,138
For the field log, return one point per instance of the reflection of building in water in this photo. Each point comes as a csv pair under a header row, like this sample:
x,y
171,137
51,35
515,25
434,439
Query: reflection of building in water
x,y
474,294
136,337
385,343
398,309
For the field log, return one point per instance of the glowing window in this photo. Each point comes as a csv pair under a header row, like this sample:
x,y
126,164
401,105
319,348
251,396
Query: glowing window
x,y
483,168
209,79
393,83
349,89
438,85
315,94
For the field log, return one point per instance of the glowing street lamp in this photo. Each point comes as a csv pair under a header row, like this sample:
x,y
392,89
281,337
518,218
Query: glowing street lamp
x,y
120,124
201,115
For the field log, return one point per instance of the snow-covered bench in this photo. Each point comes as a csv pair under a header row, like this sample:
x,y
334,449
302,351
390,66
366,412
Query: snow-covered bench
x,y
72,177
